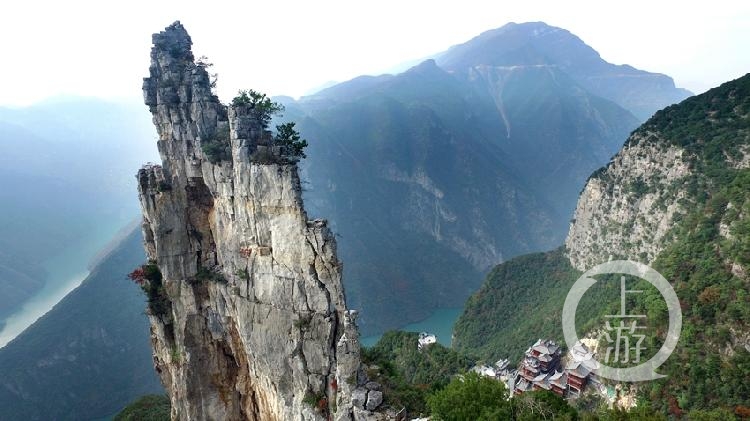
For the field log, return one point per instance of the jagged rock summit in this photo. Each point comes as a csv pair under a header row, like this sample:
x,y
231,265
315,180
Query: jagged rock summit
x,y
248,318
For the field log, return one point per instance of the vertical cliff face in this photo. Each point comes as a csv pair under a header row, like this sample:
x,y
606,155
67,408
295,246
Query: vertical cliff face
x,y
627,208
254,324
674,164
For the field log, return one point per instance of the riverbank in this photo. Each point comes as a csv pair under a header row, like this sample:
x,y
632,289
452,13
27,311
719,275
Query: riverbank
x,y
439,323
66,271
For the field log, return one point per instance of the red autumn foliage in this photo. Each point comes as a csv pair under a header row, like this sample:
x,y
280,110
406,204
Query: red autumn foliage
x,y
334,384
138,275
742,411
674,407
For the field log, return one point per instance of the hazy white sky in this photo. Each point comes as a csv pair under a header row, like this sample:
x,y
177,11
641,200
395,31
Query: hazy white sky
x,y
101,48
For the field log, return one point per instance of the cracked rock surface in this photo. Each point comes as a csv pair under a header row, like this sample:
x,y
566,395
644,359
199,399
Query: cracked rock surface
x,y
258,328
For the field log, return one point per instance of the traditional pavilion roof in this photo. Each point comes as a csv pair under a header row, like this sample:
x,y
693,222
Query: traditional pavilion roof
x,y
545,347
577,368
559,379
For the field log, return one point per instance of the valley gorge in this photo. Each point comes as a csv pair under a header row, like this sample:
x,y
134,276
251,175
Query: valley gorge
x,y
428,178
434,175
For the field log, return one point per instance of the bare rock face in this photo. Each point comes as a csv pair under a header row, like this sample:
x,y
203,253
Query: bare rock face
x,y
628,207
256,326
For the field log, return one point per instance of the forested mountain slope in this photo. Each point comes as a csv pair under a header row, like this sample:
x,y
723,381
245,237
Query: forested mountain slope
x,y
434,175
90,355
678,198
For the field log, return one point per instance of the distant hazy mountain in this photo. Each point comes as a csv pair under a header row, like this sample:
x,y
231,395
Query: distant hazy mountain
x,y
540,45
66,183
434,175
88,357
325,85
429,177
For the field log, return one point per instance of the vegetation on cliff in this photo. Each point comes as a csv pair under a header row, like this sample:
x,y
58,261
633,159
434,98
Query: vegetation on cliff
x,y
263,107
217,147
711,364
407,373
705,257
711,127
432,365
520,301
149,278
147,408
472,397
289,138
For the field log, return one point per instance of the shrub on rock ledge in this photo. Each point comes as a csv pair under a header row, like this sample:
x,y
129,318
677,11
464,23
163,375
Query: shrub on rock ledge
x,y
263,106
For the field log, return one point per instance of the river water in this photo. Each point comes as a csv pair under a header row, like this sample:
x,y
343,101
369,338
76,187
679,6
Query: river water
x,y
65,272
69,268
440,323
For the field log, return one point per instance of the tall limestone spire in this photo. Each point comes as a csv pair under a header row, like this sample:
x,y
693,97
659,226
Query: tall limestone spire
x,y
252,322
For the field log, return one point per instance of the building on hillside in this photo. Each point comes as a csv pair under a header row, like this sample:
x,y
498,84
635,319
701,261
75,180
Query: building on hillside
x,y
542,368
502,366
539,364
578,376
485,371
426,339
504,372
559,383
547,353
521,385
581,369
529,368
542,382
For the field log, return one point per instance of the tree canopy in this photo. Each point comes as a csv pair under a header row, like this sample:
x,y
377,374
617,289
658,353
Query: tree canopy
x,y
471,397
288,137
260,103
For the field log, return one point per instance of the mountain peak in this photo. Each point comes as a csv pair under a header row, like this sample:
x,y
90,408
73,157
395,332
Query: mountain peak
x,y
427,66
537,43
175,37
536,29
519,44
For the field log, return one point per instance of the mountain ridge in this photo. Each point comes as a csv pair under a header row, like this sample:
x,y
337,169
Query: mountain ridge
x,y
536,43
463,159
87,357
65,173
675,197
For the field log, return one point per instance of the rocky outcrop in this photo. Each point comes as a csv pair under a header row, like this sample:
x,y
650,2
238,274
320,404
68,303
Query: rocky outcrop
x,y
628,207
683,164
256,326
